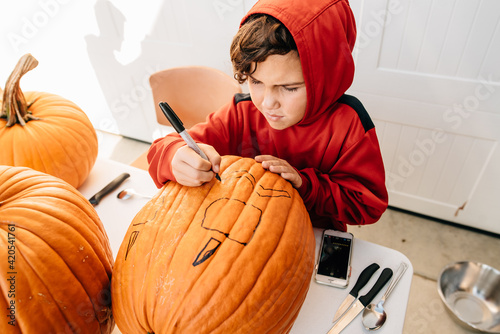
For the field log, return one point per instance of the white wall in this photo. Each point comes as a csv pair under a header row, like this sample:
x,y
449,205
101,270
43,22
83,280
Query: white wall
x,y
100,53
53,32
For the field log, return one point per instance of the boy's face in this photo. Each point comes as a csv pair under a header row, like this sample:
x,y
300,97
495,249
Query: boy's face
x,y
278,90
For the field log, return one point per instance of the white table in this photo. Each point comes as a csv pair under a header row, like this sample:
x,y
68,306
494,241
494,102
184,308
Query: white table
x,y
321,302
117,214
316,315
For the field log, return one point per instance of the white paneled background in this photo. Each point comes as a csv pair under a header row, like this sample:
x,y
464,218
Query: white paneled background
x,y
454,38
428,72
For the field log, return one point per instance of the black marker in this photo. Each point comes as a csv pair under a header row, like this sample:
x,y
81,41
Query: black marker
x,y
179,127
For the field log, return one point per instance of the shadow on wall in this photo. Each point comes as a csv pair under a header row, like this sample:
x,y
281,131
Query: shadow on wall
x,y
180,34
125,91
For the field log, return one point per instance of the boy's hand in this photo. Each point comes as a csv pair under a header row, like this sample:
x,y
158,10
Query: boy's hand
x,y
281,167
191,170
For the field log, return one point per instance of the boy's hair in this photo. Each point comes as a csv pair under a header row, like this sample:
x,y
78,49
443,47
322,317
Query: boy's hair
x,y
259,37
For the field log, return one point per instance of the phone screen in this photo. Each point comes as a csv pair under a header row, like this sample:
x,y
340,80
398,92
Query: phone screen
x,y
334,260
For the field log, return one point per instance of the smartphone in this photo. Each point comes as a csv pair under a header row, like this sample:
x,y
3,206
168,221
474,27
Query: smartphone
x,y
334,260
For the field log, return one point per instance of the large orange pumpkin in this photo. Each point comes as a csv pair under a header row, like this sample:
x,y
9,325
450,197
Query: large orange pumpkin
x,y
228,257
55,257
44,131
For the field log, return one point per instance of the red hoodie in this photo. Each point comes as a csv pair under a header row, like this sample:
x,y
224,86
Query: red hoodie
x,y
334,147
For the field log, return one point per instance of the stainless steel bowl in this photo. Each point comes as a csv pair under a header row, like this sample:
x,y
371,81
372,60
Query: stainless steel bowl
x,y
471,293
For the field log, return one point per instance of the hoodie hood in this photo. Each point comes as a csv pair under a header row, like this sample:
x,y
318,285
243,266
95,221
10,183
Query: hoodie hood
x,y
324,32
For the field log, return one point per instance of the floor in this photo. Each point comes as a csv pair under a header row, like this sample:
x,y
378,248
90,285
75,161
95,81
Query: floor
x,y
429,245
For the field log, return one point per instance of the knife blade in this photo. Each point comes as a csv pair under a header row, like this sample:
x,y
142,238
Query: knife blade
x,y
363,278
361,303
94,200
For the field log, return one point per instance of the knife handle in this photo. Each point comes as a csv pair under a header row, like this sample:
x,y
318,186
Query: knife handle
x,y
381,281
111,186
364,277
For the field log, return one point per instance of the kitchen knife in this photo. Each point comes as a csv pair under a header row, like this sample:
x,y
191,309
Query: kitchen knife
x,y
360,304
363,278
94,200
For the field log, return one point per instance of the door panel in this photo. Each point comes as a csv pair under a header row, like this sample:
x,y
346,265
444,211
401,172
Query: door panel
x,y
428,74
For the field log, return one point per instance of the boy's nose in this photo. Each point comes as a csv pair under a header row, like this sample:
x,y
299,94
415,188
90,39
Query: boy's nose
x,y
270,101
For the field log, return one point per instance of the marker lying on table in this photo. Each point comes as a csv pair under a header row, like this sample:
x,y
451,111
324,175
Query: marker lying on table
x,y
179,127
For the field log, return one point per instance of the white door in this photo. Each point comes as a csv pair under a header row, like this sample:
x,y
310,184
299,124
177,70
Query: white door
x,y
428,73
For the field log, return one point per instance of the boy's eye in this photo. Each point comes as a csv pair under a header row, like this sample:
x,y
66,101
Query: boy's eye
x,y
290,89
254,82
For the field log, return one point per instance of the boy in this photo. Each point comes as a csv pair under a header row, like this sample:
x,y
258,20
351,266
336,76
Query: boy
x,y
296,121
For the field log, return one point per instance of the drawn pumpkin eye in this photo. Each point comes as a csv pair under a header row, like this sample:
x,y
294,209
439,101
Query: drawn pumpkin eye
x,y
232,218
240,174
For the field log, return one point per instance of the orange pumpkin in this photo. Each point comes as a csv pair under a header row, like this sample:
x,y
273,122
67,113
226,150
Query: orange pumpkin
x,y
44,131
56,261
228,257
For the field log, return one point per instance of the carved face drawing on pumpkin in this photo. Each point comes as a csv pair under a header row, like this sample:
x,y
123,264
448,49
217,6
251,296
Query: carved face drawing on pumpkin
x,y
220,217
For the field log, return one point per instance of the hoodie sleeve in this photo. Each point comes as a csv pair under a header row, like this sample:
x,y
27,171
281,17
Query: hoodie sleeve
x,y
354,190
214,131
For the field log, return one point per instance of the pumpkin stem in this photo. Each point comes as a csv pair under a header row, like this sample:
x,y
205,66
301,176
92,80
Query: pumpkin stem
x,y
14,106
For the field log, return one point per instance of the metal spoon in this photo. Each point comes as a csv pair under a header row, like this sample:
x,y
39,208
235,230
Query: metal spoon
x,y
127,193
374,316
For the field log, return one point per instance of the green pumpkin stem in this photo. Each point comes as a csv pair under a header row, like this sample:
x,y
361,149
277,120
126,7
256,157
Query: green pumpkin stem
x,y
14,106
